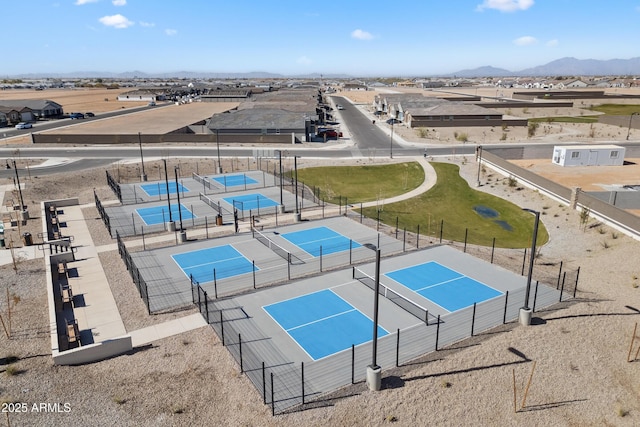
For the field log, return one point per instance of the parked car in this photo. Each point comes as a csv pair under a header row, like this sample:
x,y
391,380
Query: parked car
x,y
339,107
24,125
76,116
329,133
151,104
89,114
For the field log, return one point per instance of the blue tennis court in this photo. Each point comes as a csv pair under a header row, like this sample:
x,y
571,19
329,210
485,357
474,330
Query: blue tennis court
x,y
160,214
250,202
161,188
312,239
322,323
441,285
225,260
234,180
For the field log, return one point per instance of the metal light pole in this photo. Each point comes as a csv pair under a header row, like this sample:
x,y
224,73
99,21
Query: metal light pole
x,y
143,176
23,210
280,169
182,232
525,312
629,128
374,372
166,179
218,148
298,216
391,142
479,164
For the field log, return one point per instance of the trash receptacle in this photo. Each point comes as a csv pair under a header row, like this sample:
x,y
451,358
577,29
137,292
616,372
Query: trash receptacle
x,y
219,220
27,239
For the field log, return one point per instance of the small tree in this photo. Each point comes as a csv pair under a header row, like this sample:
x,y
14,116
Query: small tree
x,y
584,217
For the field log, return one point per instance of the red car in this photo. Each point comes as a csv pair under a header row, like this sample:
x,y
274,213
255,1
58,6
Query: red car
x,y
329,133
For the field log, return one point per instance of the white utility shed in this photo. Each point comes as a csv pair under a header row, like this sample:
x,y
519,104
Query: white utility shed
x,y
588,155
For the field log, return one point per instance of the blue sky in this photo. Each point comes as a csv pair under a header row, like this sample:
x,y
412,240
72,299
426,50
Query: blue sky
x,y
355,37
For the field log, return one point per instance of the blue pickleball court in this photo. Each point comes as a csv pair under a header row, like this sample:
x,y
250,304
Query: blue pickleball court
x,y
234,180
441,285
160,188
225,260
312,239
248,202
160,214
322,323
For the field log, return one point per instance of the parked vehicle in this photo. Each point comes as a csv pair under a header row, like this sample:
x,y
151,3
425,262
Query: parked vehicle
x,y
24,125
339,107
151,104
76,116
329,133
89,114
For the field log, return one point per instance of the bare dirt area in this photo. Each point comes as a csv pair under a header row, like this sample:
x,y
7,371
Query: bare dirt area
x,y
158,120
589,178
581,377
77,100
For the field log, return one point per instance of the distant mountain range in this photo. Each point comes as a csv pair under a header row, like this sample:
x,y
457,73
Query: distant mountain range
x,y
562,67
559,67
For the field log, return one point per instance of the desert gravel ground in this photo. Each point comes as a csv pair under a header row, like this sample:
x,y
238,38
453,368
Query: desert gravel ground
x,y
582,377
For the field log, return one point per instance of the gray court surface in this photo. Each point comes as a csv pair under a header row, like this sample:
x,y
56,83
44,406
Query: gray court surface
x,y
127,222
169,287
243,323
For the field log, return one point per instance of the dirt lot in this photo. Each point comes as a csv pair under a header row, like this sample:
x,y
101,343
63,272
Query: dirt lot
x,y
77,100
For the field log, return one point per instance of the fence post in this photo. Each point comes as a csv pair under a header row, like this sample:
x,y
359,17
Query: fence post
x,y
350,251
506,301
398,348
473,318
302,375
222,327
564,277
240,346
206,227
360,212
273,405
289,266
353,364
559,275
253,263
575,287
466,233
320,258
493,247
206,305
264,385
396,226
418,238
437,332
215,284
404,240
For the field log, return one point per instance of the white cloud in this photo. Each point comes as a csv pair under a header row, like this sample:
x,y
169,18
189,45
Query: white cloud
x,y
81,2
146,24
361,35
170,32
115,21
304,60
525,41
119,2
553,43
505,5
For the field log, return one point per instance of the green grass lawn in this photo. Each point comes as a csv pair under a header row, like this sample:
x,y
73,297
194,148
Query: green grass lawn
x,y
451,200
362,183
616,109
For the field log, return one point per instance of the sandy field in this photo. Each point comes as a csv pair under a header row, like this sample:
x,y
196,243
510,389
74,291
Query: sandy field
x,y
581,378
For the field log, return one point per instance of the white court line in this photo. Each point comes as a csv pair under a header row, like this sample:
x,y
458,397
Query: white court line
x,y
322,319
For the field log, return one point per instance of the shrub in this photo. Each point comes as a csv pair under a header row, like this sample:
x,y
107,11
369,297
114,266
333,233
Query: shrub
x,y
532,128
463,137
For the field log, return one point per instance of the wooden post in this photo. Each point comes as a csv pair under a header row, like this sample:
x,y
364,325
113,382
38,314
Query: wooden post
x,y
526,390
633,337
515,398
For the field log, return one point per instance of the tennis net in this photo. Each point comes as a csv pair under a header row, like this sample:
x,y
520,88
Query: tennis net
x,y
399,300
211,203
279,250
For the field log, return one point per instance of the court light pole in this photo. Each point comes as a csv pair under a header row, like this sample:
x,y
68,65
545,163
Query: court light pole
x,y
374,372
143,176
629,128
391,142
219,168
183,234
525,312
298,215
166,179
479,164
